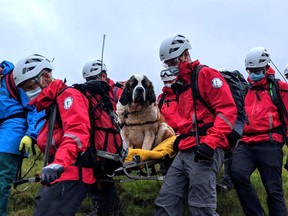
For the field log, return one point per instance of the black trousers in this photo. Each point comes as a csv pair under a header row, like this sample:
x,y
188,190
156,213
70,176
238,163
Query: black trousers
x,y
63,198
267,158
105,199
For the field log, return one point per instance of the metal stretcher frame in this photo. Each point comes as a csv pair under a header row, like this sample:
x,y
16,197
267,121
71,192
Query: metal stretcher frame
x,y
128,170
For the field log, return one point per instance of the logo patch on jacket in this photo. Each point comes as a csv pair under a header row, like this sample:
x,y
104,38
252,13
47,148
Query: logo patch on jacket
x,y
68,103
217,83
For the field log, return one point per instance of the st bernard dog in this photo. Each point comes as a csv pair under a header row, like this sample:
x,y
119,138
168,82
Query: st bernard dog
x,y
142,124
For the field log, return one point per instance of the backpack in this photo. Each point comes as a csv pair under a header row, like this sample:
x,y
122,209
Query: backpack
x,y
104,154
11,87
239,87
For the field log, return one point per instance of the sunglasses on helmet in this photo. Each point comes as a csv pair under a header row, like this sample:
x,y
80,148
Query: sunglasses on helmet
x,y
166,73
254,70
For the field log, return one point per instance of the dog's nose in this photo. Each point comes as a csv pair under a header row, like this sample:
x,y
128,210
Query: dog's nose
x,y
139,90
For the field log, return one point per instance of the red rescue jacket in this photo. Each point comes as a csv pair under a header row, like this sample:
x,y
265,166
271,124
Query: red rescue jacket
x,y
71,135
169,109
216,92
262,113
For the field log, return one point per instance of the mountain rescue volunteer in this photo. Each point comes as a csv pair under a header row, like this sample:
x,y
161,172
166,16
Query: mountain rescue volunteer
x,y
262,143
17,130
70,137
195,167
92,71
104,196
168,101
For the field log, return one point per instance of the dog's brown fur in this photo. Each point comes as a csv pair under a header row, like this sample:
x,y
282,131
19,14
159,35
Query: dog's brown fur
x,y
143,125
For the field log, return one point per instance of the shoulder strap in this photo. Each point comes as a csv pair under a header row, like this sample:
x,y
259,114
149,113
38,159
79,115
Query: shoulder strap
x,y
161,101
11,87
195,89
115,89
196,95
273,88
51,123
274,93
278,102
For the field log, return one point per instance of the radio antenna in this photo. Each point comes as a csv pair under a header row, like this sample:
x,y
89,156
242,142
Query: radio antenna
x,y
279,71
103,43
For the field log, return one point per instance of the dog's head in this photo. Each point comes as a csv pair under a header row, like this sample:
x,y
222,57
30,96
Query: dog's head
x,y
138,89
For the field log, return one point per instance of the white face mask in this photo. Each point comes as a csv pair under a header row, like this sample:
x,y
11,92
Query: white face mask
x,y
168,85
33,93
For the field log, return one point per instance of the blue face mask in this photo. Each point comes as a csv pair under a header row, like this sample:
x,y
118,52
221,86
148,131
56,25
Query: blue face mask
x,y
256,77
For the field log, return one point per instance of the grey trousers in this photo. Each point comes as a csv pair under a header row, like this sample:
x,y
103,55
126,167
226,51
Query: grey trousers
x,y
197,179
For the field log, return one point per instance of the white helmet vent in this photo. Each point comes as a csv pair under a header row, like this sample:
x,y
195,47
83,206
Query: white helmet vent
x,y
27,69
257,57
93,68
96,66
173,46
177,43
264,56
30,67
32,60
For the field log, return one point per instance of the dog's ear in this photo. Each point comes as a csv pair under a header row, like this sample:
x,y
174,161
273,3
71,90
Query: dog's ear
x,y
126,96
151,93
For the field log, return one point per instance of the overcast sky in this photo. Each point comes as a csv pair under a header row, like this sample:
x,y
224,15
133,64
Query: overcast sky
x,y
220,32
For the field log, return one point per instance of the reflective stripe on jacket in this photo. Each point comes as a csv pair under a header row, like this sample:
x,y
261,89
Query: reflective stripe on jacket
x,y
71,136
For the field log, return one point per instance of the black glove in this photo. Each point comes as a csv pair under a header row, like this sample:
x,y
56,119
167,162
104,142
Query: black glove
x,y
51,172
204,152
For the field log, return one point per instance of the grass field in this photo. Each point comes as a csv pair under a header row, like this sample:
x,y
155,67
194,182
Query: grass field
x,y
137,198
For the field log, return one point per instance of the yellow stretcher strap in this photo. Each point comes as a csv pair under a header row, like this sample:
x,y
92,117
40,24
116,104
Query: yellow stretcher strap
x,y
161,151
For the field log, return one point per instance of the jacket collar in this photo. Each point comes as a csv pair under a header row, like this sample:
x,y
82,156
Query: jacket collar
x,y
48,95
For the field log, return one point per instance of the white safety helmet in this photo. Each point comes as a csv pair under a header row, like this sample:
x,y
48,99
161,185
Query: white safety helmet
x,y
30,67
93,68
173,46
286,70
257,57
166,75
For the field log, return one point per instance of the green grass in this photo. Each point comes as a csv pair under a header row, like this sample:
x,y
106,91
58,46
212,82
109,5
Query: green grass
x,y
137,197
